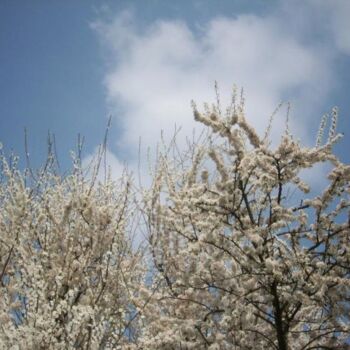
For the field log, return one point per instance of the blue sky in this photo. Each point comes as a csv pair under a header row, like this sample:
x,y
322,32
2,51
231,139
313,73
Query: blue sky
x,y
65,66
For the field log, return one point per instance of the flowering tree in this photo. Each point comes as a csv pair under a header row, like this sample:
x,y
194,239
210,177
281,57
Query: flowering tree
x,y
69,275
242,263
242,257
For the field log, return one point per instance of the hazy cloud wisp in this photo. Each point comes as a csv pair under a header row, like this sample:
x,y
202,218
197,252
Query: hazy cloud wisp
x,y
155,72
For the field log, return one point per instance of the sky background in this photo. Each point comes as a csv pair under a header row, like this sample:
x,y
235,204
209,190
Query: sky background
x,y
66,66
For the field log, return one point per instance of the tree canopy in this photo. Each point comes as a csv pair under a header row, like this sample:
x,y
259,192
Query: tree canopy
x,y
240,253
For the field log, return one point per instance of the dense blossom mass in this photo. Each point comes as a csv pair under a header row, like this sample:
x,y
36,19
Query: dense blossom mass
x,y
240,253
247,259
69,276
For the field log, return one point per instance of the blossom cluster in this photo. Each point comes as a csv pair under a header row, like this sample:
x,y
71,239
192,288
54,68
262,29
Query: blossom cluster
x,y
242,252
69,274
243,264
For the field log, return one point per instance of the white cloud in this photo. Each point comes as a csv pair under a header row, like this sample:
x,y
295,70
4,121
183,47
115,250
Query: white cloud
x,y
325,22
340,14
155,71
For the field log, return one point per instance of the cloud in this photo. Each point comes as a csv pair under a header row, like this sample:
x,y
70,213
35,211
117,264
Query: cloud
x,y
155,71
319,22
339,13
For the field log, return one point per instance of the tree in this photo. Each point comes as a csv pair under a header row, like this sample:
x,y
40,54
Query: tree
x,y
68,272
241,254
242,263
